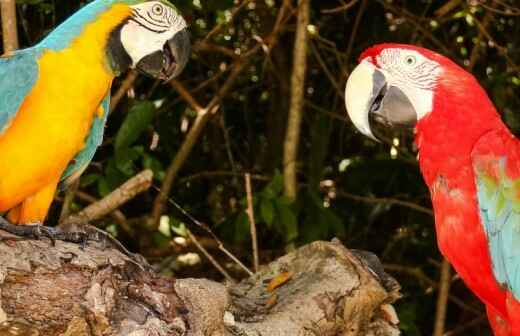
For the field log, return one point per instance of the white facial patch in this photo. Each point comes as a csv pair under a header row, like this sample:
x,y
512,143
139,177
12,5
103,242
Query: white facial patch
x,y
152,24
414,74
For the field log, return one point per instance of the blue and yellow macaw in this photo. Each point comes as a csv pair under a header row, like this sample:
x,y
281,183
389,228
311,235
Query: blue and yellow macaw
x,y
54,97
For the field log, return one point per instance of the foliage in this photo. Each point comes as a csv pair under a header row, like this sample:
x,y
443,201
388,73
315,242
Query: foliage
x,y
348,183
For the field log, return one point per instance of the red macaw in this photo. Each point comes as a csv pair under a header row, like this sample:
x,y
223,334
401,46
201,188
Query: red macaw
x,y
469,160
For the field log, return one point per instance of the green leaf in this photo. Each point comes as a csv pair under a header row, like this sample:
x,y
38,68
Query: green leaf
x,y
241,231
267,212
288,220
89,179
125,159
136,122
150,162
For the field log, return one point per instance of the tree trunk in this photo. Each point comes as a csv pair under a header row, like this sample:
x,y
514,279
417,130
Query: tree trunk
x,y
66,290
9,32
292,137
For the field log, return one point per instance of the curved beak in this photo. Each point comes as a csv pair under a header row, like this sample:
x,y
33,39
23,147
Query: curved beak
x,y
169,62
369,97
180,49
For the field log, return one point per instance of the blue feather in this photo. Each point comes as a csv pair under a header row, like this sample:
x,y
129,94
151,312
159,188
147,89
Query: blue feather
x,y
61,37
94,140
502,226
18,74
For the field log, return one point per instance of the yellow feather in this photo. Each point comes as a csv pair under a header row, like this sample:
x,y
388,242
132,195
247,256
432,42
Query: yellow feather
x,y
54,120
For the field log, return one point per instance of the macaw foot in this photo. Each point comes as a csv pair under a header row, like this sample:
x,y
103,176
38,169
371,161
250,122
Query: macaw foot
x,y
37,231
80,234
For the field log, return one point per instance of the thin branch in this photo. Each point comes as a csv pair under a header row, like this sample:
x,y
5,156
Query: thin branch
x,y
420,27
114,200
68,199
419,274
211,174
206,228
447,8
462,328
326,70
126,85
186,95
218,28
341,8
252,223
395,201
354,31
442,299
212,260
116,215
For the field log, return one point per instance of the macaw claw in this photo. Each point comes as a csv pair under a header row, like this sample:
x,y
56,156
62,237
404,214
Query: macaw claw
x,y
78,234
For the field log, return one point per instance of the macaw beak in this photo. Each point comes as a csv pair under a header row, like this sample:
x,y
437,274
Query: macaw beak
x,y
370,98
169,62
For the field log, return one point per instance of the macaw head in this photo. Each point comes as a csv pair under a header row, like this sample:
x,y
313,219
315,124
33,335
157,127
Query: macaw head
x,y
154,40
150,36
401,85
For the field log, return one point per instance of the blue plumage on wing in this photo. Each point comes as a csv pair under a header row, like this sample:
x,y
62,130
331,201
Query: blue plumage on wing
x,y
501,223
93,141
18,74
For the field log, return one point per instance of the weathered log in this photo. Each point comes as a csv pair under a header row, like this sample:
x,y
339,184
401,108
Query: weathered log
x,y
320,289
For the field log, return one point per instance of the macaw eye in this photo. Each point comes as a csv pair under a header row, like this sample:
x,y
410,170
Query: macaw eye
x,y
410,60
157,9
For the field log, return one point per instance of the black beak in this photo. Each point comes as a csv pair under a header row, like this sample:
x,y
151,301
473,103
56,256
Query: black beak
x,y
390,106
169,62
370,98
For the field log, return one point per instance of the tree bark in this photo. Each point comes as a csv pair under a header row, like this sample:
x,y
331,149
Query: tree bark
x,y
292,137
67,290
9,32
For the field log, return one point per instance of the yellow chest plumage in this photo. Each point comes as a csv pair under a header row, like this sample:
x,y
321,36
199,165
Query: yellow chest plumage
x,y
54,120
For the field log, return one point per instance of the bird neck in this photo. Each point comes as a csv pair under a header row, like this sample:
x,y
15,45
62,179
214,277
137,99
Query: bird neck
x,y
90,33
462,113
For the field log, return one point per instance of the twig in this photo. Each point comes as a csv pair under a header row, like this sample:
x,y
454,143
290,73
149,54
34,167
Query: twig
x,y
126,85
447,7
219,27
206,228
442,299
423,278
210,174
186,95
68,199
117,215
420,27
9,31
341,8
252,223
114,200
509,10
326,70
395,201
299,70
354,31
462,328
212,260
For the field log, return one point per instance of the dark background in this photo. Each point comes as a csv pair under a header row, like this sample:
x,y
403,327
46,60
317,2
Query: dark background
x,y
370,195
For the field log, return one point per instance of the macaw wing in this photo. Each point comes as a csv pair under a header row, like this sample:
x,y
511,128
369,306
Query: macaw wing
x,y
18,74
81,161
497,174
